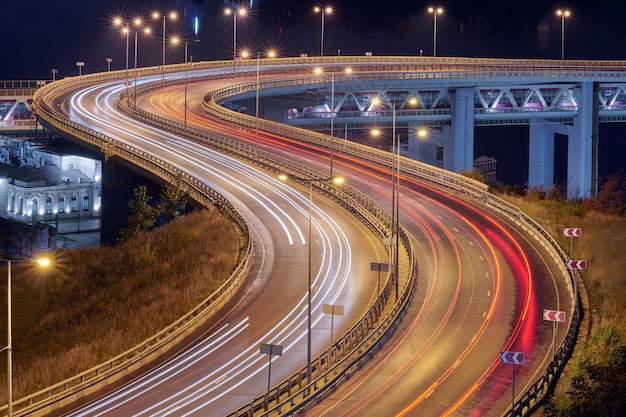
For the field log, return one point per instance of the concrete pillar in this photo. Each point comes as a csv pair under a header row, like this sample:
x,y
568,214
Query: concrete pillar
x,y
579,147
458,138
541,154
423,149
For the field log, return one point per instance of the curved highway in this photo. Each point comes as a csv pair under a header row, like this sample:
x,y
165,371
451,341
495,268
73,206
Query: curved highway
x,y
224,369
482,283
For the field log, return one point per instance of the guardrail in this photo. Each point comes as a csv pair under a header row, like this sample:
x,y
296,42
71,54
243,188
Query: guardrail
x,y
529,400
357,345
62,393
411,168
610,69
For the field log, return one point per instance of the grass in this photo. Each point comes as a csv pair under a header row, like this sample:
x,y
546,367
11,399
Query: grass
x,y
592,381
98,302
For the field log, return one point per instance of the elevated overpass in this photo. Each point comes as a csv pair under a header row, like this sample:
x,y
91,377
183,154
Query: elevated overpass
x,y
446,179
568,98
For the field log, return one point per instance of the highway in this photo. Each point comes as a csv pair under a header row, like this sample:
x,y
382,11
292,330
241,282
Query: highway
x,y
483,283
225,368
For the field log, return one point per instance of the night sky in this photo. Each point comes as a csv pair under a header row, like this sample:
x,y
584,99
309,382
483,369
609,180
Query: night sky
x,y
41,34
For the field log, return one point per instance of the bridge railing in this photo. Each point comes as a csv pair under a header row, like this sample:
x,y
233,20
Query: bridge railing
x,y
612,69
54,396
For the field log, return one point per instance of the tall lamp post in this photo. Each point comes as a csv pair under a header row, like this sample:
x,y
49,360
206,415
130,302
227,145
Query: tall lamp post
x,y
136,74
435,11
563,14
395,185
172,16
241,11
9,346
320,71
335,180
323,11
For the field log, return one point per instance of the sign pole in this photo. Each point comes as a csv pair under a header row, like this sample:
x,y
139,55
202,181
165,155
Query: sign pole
x,y
512,389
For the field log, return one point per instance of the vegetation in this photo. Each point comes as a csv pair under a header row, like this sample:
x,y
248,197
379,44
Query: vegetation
x,y
98,302
594,381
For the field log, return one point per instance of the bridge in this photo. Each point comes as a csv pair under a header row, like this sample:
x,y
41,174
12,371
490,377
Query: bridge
x,y
289,73
569,98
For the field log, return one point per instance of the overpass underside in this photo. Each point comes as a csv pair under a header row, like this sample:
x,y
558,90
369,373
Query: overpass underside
x,y
440,120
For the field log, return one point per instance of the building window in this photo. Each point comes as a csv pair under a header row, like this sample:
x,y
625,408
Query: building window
x,y
48,205
35,207
73,203
61,204
85,201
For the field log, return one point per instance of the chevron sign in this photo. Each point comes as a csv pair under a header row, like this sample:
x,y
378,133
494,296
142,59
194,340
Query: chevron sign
x,y
576,264
554,315
572,232
516,358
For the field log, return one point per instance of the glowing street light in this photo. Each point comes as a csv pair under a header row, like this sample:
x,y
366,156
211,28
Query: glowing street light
x,y
337,180
435,11
323,11
9,347
563,14
241,11
320,71
172,16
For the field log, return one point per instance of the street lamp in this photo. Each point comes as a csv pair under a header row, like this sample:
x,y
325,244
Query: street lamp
x,y
332,110
146,30
435,11
563,14
172,16
241,11
323,11
395,183
337,180
108,61
9,346
187,65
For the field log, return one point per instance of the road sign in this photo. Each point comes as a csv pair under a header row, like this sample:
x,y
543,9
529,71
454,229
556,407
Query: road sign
x,y
515,358
270,349
554,315
576,264
376,266
572,231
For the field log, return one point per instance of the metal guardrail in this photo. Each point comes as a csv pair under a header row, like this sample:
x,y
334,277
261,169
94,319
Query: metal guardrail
x,y
585,69
363,339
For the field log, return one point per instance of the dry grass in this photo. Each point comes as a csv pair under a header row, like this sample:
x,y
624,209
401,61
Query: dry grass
x,y
602,245
99,302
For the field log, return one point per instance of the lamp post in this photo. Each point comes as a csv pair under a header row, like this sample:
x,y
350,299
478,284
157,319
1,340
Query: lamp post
x,y
108,61
335,180
435,11
563,14
395,186
241,11
332,111
80,65
54,72
172,16
9,346
146,31
323,11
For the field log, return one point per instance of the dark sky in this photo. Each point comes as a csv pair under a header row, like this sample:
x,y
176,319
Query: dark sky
x,y
40,35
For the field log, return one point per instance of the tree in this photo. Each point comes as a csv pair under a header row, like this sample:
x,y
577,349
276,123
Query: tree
x,y
173,198
611,198
473,173
598,383
143,215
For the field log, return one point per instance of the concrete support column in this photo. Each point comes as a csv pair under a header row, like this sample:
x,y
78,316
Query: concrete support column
x,y
423,149
541,154
458,138
580,144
